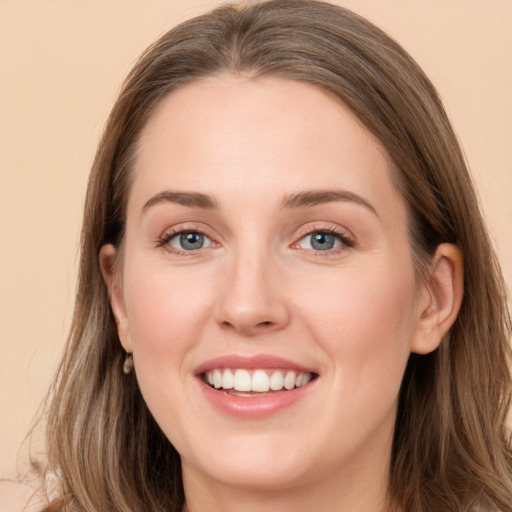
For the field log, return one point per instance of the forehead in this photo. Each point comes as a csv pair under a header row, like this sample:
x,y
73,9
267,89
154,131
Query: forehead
x,y
228,135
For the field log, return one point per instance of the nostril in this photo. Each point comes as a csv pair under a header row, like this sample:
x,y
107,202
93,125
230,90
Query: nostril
x,y
249,328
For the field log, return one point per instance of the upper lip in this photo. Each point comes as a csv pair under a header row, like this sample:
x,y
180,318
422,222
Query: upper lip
x,y
261,361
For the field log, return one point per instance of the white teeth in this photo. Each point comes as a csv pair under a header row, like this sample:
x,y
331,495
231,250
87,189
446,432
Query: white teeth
x,y
242,381
289,380
302,379
228,380
260,381
217,379
276,381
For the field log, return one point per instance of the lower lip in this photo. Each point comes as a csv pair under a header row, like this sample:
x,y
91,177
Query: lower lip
x,y
253,406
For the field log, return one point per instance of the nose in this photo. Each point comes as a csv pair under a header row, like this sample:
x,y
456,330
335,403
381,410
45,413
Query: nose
x,y
254,299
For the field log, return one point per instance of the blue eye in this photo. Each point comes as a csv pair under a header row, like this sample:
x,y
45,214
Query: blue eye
x,y
323,241
191,241
188,241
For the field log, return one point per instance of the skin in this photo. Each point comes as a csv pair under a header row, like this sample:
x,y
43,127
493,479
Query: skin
x,y
353,313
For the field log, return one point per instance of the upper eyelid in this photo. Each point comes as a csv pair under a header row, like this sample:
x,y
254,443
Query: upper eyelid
x,y
165,239
319,226
169,233
172,236
187,227
341,237
305,229
344,235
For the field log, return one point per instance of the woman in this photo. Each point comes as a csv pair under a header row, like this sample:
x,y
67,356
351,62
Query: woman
x,y
287,296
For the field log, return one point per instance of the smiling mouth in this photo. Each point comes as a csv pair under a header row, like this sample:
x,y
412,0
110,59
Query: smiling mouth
x,y
255,382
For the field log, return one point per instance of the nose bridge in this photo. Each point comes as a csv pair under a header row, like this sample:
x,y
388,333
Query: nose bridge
x,y
253,301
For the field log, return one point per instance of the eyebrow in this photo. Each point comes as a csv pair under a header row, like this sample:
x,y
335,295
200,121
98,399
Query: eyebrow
x,y
191,199
304,199
314,197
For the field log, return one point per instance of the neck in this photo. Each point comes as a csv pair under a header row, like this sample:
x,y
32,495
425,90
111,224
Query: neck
x,y
283,501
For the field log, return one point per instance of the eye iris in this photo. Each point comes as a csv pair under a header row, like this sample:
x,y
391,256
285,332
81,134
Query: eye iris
x,y
322,241
191,241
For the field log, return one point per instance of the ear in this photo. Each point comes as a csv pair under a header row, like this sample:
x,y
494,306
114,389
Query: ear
x,y
440,299
107,258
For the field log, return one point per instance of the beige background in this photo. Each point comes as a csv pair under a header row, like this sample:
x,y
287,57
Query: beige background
x,y
61,64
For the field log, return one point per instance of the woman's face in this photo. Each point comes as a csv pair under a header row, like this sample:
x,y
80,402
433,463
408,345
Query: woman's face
x,y
266,248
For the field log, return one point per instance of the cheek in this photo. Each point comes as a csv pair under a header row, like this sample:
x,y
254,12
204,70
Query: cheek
x,y
364,322
165,311
364,319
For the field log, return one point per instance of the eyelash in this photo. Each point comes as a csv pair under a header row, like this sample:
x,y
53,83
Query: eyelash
x,y
346,241
164,241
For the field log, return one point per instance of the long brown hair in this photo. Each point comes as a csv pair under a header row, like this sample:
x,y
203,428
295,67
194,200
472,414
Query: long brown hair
x,y
451,449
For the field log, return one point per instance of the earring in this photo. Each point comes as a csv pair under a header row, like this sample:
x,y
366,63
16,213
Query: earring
x,y
128,364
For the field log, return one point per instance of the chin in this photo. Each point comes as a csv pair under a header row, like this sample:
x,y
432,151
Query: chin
x,y
257,463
